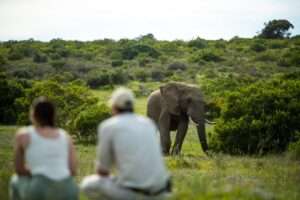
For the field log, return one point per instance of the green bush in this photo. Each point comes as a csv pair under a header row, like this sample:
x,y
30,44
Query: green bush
x,y
157,75
198,43
70,99
131,51
40,57
3,60
206,55
141,75
258,47
86,122
177,66
291,58
266,57
58,64
294,150
116,63
15,54
10,90
260,118
96,80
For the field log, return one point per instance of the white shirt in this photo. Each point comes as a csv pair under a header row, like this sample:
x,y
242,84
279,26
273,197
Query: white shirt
x,y
129,142
48,156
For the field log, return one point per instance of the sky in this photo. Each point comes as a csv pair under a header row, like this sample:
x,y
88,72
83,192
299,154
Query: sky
x,y
166,19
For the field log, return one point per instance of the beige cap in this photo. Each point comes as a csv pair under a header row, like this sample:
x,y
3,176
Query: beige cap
x,y
122,98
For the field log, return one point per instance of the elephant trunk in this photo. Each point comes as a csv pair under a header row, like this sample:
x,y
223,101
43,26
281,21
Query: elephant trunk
x,y
202,135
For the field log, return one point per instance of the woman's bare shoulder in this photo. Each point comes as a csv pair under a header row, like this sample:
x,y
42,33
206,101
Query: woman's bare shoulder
x,y
22,136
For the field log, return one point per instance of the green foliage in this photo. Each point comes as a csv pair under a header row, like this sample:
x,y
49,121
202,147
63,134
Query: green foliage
x,y
96,80
86,122
116,63
258,46
177,66
198,43
15,54
131,51
3,60
58,64
101,78
290,58
69,98
40,57
10,90
276,29
157,75
260,118
141,75
294,149
206,55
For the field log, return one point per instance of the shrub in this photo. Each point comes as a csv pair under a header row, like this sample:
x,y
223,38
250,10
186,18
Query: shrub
x,y
260,118
291,58
157,75
131,51
119,77
96,80
211,57
266,57
15,54
116,63
258,47
294,150
70,99
86,122
198,43
10,90
208,56
143,59
40,57
177,66
278,44
141,75
58,64
3,61
212,110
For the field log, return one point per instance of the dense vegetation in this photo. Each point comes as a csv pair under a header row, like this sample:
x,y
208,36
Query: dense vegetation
x,y
251,87
239,78
263,117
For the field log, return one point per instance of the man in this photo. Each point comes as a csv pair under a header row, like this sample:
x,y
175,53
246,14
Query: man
x,y
128,144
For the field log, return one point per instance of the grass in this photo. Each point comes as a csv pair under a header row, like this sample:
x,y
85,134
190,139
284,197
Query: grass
x,y
195,175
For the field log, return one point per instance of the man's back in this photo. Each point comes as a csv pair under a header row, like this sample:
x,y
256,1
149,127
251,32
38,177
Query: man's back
x,y
129,142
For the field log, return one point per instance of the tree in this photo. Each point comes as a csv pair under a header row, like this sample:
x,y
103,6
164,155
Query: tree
x,y
276,29
10,90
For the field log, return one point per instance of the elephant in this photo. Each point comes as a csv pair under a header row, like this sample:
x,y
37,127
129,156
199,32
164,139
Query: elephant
x,y
170,107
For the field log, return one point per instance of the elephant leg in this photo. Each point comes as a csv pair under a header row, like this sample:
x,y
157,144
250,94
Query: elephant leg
x,y
181,132
164,129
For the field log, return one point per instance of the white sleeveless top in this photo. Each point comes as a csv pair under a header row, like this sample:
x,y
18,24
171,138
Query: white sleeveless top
x,y
48,156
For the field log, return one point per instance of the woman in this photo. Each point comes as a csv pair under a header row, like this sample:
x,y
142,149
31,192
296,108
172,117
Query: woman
x,y
44,158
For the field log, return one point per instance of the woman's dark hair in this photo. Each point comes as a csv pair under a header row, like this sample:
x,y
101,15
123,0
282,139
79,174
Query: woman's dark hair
x,y
43,111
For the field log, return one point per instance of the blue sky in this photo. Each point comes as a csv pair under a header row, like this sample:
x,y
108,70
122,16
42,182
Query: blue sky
x,y
166,19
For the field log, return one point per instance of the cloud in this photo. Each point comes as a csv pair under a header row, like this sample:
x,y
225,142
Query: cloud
x,y
167,19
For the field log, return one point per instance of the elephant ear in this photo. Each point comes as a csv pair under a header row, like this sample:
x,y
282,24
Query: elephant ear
x,y
170,96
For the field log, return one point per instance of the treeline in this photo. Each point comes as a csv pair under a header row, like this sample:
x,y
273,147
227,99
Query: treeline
x,y
108,62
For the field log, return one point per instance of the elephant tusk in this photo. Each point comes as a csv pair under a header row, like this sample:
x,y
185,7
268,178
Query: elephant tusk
x,y
206,121
209,122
